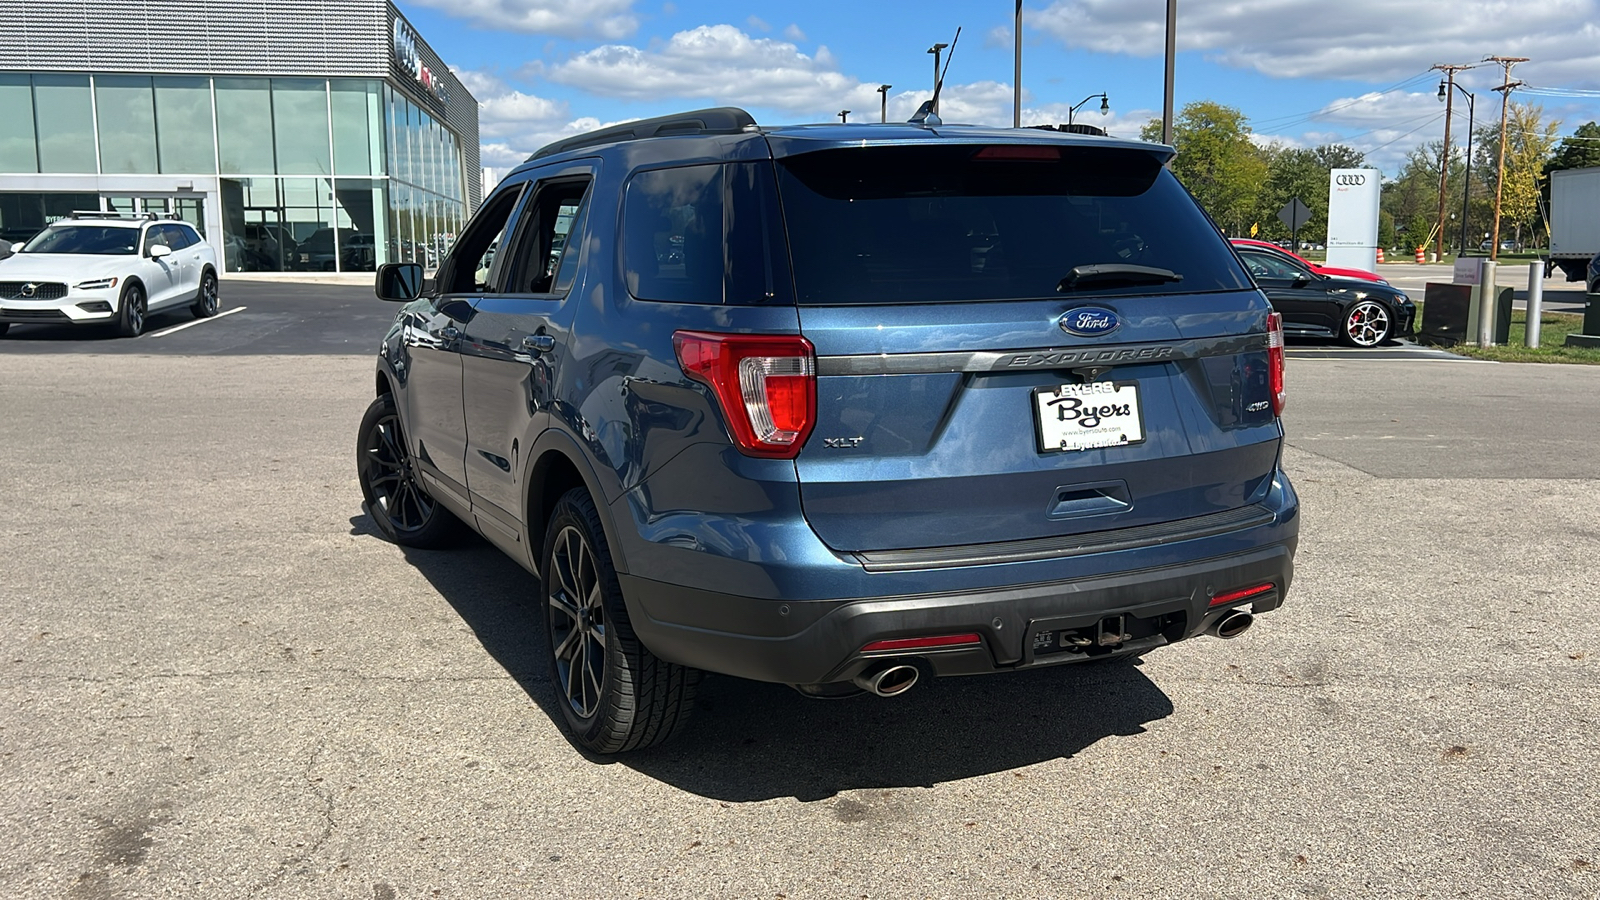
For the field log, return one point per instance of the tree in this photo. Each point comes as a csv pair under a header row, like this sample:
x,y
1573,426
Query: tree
x,y
1578,150
1216,161
1339,156
1529,141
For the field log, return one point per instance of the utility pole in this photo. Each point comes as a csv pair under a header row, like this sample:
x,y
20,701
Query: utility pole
x,y
1172,51
936,49
1448,94
1504,90
844,115
883,91
1016,85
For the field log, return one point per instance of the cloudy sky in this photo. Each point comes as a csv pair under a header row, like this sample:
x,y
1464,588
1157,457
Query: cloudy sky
x,y
1304,71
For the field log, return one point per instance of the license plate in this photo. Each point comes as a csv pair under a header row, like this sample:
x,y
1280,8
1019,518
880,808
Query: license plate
x,y
1088,416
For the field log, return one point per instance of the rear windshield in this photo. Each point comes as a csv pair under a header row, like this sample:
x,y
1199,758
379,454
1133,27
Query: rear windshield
x,y
92,239
958,223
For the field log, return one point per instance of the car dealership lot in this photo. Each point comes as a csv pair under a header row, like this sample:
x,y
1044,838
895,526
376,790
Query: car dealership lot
x,y
219,683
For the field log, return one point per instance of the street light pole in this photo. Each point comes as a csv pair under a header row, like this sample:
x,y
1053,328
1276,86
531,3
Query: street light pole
x,y
936,49
1105,105
1466,190
1016,81
1448,95
883,91
1172,43
844,115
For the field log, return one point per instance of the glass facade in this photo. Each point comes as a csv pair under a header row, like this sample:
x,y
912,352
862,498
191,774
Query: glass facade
x,y
310,173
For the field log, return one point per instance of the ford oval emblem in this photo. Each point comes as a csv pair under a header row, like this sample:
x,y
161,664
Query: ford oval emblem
x,y
1090,321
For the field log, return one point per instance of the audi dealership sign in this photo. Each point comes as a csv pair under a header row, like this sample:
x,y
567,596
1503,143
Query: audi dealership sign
x,y
1353,196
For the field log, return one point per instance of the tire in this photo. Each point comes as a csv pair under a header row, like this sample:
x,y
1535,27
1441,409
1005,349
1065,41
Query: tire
x,y
397,500
132,310
205,302
615,696
1367,324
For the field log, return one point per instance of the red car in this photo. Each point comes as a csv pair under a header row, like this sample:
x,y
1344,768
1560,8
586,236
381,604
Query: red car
x,y
1321,270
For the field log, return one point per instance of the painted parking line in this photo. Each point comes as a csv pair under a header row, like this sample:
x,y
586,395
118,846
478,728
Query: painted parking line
x,y
176,328
1380,354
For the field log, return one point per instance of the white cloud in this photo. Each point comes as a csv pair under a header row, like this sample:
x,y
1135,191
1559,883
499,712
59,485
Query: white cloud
x,y
609,19
758,24
793,33
1367,40
713,62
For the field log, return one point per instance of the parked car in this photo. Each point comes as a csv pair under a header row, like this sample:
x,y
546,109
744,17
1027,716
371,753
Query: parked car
x,y
93,268
5,249
836,446
1506,246
1593,282
1361,313
1304,263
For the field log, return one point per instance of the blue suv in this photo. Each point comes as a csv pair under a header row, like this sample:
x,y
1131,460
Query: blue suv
x,y
836,406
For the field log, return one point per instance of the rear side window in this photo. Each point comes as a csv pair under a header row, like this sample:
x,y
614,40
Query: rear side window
x,y
705,234
960,223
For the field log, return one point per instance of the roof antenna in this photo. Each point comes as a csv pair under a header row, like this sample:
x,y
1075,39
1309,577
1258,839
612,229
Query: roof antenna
x,y
925,115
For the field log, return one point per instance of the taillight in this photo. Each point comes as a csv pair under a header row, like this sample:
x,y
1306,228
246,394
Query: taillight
x,y
1275,362
766,385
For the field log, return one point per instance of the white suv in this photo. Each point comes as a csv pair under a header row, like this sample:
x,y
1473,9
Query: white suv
x,y
108,267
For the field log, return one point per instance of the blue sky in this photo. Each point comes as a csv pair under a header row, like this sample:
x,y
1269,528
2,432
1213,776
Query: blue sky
x,y
1304,72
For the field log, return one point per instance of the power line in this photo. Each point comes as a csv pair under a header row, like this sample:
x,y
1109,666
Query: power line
x,y
1292,119
1406,135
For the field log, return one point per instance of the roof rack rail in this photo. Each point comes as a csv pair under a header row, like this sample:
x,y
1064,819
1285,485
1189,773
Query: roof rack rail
x,y
100,214
720,120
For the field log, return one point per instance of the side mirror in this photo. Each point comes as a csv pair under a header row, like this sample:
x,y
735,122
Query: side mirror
x,y
399,282
160,250
1302,280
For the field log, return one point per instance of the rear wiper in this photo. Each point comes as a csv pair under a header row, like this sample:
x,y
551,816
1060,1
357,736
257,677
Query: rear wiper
x,y
1116,273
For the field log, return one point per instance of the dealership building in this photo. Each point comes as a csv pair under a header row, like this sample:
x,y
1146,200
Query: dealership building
x,y
296,136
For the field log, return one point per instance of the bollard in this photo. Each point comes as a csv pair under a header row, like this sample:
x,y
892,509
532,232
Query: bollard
x,y
1535,301
1486,302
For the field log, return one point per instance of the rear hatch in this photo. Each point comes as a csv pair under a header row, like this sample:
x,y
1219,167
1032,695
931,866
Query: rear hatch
x,y
1019,341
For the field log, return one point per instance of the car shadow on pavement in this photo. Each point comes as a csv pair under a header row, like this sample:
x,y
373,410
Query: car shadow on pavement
x,y
750,741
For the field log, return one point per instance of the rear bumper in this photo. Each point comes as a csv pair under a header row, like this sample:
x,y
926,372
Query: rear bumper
x,y
820,641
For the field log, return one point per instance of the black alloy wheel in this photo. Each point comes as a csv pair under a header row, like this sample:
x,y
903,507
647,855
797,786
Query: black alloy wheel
x,y
130,323
205,303
1367,324
613,693
397,500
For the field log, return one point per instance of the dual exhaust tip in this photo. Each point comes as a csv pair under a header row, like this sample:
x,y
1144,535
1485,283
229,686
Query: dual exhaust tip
x,y
894,680
1232,624
890,681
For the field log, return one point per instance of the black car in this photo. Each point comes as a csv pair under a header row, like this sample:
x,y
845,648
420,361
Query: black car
x,y
1592,285
1360,313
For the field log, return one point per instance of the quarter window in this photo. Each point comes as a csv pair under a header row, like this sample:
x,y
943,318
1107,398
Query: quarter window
x,y
673,235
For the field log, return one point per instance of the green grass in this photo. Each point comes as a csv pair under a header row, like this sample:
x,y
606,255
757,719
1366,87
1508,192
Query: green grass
x,y
1553,330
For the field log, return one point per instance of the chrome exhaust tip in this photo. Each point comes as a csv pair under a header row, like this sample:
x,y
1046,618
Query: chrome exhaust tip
x,y
1232,625
888,682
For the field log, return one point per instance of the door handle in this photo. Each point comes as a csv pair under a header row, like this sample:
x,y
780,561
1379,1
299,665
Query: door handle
x,y
538,343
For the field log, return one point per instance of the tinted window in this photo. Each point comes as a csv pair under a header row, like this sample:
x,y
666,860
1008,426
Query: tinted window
x,y
192,235
706,234
1270,265
84,239
672,220
176,238
954,223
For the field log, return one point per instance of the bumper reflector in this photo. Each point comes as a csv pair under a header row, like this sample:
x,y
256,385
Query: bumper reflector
x,y
922,643
1242,593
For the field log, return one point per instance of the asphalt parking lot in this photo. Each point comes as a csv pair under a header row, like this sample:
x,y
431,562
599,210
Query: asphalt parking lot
x,y
219,683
